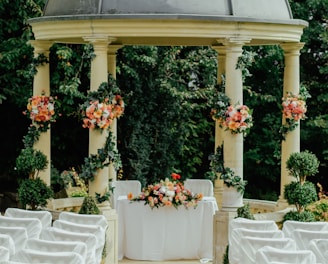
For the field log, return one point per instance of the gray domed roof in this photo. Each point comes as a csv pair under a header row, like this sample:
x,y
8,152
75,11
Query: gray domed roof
x,y
257,9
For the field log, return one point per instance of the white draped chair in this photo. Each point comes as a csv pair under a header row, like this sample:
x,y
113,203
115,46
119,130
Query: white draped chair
x,y
270,255
33,226
250,245
58,246
123,188
33,256
260,228
7,242
55,234
84,219
18,235
304,237
44,216
289,226
89,229
203,186
236,246
4,254
320,249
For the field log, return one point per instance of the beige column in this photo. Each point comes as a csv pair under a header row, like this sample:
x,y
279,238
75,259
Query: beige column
x,y
291,84
97,138
221,58
233,146
112,49
41,84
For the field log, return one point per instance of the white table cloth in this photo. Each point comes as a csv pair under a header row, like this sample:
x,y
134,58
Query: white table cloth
x,y
165,233
44,216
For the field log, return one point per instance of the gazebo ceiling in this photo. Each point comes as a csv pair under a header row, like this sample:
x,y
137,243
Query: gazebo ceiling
x,y
168,22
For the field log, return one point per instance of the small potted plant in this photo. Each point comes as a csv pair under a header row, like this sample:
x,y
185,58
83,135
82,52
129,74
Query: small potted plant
x,y
301,192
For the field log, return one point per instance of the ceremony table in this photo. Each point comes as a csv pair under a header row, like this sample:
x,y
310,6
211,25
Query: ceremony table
x,y
165,233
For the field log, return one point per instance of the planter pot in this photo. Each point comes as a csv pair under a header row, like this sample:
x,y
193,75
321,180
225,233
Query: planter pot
x,y
231,199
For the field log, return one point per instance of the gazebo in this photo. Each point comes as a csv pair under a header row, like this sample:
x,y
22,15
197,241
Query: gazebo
x,y
225,25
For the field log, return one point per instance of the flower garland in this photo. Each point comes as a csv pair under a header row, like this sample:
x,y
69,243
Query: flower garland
x,y
167,193
293,110
235,118
41,110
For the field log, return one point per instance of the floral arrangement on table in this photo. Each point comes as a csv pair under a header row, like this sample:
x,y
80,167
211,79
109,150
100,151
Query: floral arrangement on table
x,y
293,110
235,118
41,110
168,192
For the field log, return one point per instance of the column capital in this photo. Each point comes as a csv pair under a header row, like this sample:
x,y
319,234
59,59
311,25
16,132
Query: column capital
x,y
112,49
292,48
220,49
41,46
236,41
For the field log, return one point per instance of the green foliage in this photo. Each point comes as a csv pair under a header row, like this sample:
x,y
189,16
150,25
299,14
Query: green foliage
x,y
34,193
305,216
226,256
89,206
302,164
300,195
319,209
245,212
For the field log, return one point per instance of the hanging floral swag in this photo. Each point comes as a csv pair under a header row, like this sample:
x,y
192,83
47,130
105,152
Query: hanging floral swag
x,y
234,118
293,110
102,106
41,110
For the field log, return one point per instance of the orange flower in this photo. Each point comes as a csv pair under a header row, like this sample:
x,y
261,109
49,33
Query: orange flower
x,y
130,196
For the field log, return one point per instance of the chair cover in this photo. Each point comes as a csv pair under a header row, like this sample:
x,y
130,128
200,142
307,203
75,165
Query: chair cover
x,y
33,226
250,245
4,254
269,255
34,256
55,234
123,188
263,225
289,226
79,228
320,249
200,186
237,234
18,235
7,242
44,216
303,237
58,246
84,219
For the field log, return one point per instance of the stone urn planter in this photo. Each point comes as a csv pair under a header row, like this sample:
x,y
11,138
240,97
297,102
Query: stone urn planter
x,y
231,199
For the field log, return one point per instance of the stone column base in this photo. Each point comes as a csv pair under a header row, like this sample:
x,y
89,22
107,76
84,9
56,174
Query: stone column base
x,y
220,234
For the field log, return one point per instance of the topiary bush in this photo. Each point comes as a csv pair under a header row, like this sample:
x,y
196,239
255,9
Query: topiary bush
x,y
34,193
